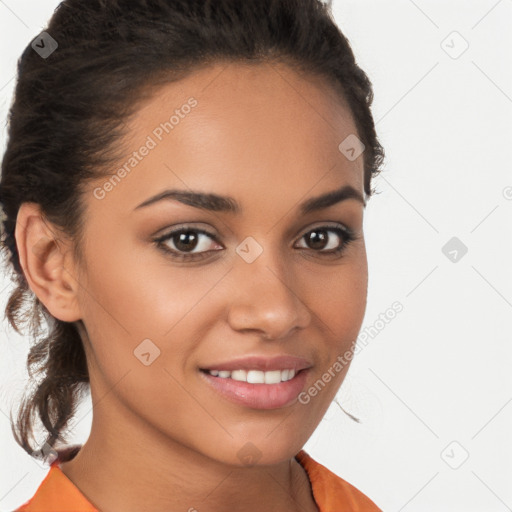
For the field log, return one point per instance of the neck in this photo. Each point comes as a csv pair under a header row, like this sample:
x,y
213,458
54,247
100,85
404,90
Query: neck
x,y
115,470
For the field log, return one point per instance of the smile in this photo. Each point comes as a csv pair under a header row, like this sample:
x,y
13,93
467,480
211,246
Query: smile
x,y
257,389
255,376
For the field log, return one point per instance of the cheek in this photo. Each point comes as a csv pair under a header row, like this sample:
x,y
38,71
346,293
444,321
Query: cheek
x,y
145,317
340,299
139,291
339,296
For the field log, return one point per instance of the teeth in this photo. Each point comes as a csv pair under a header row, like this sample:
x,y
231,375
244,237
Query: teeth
x,y
255,376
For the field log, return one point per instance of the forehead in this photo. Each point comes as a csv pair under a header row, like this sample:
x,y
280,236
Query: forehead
x,y
230,127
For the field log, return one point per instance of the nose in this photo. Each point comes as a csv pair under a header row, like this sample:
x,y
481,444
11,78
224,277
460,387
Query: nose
x,y
267,298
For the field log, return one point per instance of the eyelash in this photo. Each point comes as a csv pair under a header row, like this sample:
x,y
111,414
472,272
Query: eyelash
x,y
343,232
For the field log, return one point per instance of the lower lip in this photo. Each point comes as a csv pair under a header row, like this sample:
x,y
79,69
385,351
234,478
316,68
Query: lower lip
x,y
259,396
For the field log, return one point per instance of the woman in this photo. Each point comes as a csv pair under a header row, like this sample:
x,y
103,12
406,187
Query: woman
x,y
183,192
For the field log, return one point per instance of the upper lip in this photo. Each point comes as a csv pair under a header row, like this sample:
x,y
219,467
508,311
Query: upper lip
x,y
262,363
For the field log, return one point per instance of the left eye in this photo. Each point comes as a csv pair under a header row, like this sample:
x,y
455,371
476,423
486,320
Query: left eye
x,y
318,237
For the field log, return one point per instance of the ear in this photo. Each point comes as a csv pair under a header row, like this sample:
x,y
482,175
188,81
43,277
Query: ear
x,y
45,258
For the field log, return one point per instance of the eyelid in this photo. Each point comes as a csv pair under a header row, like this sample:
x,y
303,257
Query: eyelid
x,y
326,224
166,232
182,227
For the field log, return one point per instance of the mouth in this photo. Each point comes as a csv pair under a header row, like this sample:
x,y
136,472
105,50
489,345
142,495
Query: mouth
x,y
257,389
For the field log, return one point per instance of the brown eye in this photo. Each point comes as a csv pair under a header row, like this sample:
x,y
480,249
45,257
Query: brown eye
x,y
328,239
317,239
183,243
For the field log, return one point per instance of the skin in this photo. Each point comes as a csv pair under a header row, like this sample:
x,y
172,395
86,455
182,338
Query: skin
x,y
269,138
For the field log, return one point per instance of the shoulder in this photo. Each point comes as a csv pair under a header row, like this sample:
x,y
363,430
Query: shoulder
x,y
330,491
56,492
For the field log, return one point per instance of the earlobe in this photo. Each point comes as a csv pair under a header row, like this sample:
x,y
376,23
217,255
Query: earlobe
x,y
43,259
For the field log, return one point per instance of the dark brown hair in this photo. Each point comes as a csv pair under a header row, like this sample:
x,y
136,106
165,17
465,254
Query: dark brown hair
x,y
67,121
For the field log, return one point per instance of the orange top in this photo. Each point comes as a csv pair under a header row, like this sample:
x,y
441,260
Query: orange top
x,y
57,493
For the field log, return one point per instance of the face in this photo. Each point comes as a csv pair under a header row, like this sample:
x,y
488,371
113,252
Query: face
x,y
256,275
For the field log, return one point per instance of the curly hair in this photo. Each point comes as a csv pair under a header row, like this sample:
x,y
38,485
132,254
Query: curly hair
x,y
67,122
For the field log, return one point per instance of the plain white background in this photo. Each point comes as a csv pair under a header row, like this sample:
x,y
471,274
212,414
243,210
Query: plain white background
x,y
432,387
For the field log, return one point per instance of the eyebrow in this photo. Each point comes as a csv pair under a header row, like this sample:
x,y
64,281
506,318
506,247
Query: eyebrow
x,y
217,203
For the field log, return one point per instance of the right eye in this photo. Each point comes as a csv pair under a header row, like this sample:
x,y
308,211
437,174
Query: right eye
x,y
185,241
